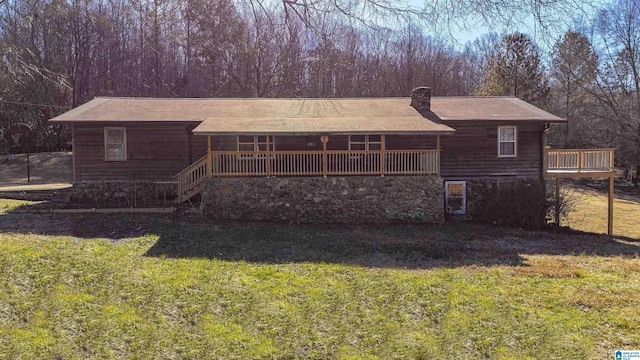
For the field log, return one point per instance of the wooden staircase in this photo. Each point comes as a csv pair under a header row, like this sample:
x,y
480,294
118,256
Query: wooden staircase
x,y
191,179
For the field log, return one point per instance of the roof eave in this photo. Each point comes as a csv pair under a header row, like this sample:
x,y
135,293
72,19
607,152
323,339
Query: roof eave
x,y
559,120
121,122
320,133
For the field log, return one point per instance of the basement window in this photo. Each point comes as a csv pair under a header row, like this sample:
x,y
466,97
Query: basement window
x,y
507,141
115,144
456,196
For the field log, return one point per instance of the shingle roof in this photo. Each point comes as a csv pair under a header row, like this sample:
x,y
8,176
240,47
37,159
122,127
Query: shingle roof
x,y
306,116
489,108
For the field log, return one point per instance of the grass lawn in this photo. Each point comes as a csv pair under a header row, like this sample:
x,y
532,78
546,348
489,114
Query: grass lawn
x,y
120,286
591,212
45,168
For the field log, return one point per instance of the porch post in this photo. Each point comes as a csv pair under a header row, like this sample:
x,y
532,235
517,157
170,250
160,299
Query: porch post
x,y
383,153
324,139
268,157
209,157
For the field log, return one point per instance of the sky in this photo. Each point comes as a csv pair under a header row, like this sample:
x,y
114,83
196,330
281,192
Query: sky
x,y
544,37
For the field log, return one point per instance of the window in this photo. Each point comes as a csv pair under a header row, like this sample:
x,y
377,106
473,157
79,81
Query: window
x,y
507,141
456,196
115,144
365,142
254,143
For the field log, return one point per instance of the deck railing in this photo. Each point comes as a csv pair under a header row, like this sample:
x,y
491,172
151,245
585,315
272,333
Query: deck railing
x,y
321,163
580,160
306,163
192,176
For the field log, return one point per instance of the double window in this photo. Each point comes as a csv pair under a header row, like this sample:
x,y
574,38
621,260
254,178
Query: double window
x,y
115,144
365,142
254,143
507,141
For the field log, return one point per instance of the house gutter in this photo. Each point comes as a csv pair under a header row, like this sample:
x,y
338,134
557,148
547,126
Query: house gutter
x,y
132,210
543,152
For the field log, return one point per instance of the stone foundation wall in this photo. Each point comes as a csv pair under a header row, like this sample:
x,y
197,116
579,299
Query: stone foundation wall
x,y
354,199
120,193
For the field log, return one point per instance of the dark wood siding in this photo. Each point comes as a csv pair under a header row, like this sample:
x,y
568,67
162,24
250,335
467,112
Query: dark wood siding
x,y
410,142
473,152
336,142
155,152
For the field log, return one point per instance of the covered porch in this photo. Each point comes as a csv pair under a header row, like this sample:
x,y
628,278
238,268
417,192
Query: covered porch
x,y
338,155
319,137
358,155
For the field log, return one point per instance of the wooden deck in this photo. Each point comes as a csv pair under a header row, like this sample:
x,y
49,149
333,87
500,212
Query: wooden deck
x,y
581,163
306,163
575,163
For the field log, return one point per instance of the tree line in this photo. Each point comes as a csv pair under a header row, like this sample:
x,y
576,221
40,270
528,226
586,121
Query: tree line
x,y
58,54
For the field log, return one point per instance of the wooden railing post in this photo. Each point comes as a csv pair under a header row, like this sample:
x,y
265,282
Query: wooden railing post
x,y
268,157
546,160
611,166
324,140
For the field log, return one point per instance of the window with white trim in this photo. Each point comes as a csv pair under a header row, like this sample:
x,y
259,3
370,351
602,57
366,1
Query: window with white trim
x,y
365,142
254,143
507,141
115,144
456,196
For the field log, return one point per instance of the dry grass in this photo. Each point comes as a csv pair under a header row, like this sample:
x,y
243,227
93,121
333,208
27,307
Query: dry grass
x,y
119,286
591,214
46,168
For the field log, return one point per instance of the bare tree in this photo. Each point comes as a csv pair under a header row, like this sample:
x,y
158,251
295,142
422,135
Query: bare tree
x,y
618,83
444,16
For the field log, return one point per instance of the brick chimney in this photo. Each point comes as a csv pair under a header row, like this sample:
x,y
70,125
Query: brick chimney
x,y
421,98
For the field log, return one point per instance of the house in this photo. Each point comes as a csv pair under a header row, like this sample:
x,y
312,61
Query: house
x,y
320,160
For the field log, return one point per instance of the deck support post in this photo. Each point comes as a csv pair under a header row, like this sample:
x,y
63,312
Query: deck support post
x,y
557,202
610,222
